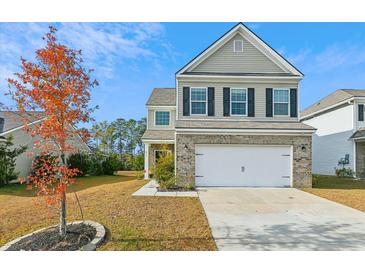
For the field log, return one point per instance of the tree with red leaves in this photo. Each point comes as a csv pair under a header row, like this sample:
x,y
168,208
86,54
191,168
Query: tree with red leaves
x,y
58,85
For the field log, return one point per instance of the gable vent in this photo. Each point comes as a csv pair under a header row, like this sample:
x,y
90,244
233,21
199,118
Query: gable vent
x,y
238,46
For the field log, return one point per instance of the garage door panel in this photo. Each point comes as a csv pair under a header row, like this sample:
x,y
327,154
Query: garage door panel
x,y
261,166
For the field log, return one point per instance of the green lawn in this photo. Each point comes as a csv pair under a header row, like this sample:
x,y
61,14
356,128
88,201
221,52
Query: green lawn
x,y
346,191
132,223
82,183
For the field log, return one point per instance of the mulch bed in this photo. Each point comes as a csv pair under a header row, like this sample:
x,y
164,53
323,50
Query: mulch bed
x,y
174,188
77,236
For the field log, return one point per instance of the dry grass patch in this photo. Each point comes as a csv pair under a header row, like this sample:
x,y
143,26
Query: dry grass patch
x,y
346,191
133,223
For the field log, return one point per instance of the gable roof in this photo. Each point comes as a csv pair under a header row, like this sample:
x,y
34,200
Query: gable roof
x,y
242,29
162,97
332,100
13,119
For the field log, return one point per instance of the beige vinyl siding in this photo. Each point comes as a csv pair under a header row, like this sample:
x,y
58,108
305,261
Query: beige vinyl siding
x,y
151,119
260,98
251,60
23,164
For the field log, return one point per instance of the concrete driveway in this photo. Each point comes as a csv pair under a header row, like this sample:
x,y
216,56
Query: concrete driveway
x,y
280,219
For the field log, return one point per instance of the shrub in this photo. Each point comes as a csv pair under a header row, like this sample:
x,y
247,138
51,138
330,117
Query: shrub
x,y
344,172
138,162
95,166
140,175
8,156
164,171
127,162
189,186
39,162
108,168
80,161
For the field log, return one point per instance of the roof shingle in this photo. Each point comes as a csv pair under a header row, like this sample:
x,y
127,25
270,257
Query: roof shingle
x,y
159,135
333,99
13,119
162,97
241,125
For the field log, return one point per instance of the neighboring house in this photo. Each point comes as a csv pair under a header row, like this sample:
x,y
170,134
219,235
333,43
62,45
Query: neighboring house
x,y
232,119
339,120
11,123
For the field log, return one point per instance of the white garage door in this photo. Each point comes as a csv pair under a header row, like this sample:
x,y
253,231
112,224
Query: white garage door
x,y
236,165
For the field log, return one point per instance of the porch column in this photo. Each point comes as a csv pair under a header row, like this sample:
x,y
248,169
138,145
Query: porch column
x,y
146,160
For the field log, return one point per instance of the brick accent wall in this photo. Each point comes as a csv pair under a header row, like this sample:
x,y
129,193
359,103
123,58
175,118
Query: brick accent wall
x,y
360,159
302,159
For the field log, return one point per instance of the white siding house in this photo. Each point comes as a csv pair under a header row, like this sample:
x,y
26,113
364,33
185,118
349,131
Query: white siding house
x,y
339,131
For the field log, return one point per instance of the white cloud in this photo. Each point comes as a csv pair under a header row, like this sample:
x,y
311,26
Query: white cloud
x,y
104,45
333,57
300,56
340,55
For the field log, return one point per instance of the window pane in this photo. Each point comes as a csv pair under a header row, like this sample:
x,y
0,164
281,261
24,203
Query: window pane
x,y
198,94
198,108
162,118
281,95
239,108
238,95
281,109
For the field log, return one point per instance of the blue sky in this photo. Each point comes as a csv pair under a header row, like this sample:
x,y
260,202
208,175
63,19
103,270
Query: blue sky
x,y
130,59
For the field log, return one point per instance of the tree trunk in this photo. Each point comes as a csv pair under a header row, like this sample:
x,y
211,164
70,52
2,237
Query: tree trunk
x,y
62,225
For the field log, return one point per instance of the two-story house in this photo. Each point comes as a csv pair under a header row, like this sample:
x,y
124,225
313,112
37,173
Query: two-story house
x,y
232,119
339,120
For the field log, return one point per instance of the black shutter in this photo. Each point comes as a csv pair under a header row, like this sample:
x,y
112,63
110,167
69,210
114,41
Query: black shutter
x,y
226,101
269,102
361,112
293,102
210,101
251,102
186,101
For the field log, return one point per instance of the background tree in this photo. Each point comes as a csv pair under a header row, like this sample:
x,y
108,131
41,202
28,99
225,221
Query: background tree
x,y
140,129
120,126
59,85
123,138
131,134
8,155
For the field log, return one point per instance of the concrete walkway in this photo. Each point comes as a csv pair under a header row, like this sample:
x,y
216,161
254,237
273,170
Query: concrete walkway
x,y
150,189
280,219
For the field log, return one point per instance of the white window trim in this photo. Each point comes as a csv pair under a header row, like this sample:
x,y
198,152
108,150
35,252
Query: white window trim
x,y
206,102
234,45
162,125
160,150
273,103
230,101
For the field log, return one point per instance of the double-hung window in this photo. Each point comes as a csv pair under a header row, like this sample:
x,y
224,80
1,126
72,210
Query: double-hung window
x,y
281,102
162,118
198,101
238,101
